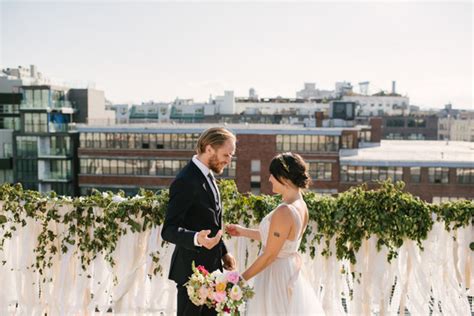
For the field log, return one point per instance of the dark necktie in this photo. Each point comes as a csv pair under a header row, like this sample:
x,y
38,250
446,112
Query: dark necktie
x,y
216,197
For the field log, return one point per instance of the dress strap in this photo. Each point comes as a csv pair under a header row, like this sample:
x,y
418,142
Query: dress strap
x,y
299,220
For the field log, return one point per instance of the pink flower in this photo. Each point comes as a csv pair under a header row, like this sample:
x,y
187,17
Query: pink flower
x,y
233,277
203,292
219,296
202,270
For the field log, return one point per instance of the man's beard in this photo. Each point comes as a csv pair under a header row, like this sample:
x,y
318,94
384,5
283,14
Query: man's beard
x,y
215,165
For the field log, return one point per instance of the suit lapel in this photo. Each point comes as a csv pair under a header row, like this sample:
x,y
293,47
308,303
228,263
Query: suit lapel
x,y
207,188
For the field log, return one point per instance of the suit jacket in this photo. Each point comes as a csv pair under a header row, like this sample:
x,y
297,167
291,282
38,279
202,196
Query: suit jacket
x,y
191,208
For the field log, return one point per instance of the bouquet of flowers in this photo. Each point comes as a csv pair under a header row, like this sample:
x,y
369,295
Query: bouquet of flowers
x,y
225,292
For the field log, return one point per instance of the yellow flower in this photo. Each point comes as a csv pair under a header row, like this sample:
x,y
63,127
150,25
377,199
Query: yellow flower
x,y
220,287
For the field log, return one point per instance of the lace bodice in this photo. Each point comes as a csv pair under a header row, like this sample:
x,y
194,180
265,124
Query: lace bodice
x,y
290,247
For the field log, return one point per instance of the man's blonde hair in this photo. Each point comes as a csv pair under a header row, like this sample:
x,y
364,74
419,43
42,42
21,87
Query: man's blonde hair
x,y
214,136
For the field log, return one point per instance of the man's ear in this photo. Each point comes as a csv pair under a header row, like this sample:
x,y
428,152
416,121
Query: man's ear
x,y
209,149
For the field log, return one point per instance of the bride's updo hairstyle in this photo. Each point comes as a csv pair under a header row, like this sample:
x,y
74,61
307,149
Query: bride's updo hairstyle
x,y
292,167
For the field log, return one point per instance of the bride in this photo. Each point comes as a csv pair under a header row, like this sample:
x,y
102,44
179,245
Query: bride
x,y
280,287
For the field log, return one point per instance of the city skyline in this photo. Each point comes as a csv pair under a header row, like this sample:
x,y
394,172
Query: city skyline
x,y
160,51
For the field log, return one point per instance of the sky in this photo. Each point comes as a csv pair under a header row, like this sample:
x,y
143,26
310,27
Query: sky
x,y
137,52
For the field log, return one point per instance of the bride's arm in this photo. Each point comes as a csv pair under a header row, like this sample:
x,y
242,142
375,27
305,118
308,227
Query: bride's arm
x,y
278,233
239,231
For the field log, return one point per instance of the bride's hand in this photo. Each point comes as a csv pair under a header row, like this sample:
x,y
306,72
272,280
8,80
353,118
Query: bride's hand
x,y
234,230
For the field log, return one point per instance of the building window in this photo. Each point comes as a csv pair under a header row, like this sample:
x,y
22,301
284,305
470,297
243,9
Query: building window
x,y
395,122
417,122
347,141
255,184
255,166
365,136
445,199
27,146
35,123
27,169
394,136
229,171
59,170
320,170
415,174
438,175
7,150
465,175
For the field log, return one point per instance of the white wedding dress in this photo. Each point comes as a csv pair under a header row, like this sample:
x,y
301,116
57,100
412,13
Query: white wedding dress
x,y
282,289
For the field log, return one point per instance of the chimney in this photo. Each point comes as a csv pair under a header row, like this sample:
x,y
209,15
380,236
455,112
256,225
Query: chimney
x,y
393,87
319,118
376,129
33,71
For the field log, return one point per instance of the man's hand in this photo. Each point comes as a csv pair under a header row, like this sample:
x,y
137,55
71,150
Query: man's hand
x,y
207,242
234,230
229,262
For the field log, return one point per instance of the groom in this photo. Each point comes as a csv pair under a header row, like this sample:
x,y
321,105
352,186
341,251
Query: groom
x,y
193,220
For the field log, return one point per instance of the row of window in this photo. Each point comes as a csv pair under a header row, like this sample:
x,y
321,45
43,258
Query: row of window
x,y
27,146
307,143
185,141
41,98
10,123
411,136
320,170
10,108
171,167
465,175
435,175
145,167
400,122
365,174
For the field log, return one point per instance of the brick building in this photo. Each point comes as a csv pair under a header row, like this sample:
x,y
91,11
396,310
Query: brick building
x,y
132,156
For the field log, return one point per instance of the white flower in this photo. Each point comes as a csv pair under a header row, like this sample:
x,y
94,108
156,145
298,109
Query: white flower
x,y
105,195
137,197
236,293
118,199
219,277
66,198
190,291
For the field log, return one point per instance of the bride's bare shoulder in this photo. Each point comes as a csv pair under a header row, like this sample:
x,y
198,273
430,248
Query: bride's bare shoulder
x,y
282,212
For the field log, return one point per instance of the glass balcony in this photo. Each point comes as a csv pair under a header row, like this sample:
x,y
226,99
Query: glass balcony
x,y
56,176
54,152
61,127
64,106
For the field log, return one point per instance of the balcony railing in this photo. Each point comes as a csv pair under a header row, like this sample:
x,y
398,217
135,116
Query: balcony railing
x,y
45,105
56,176
54,152
61,127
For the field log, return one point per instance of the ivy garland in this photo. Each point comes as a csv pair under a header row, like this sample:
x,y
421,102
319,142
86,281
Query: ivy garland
x,y
95,223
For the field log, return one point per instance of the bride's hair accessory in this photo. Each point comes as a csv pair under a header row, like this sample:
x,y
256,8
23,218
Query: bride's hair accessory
x,y
284,164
